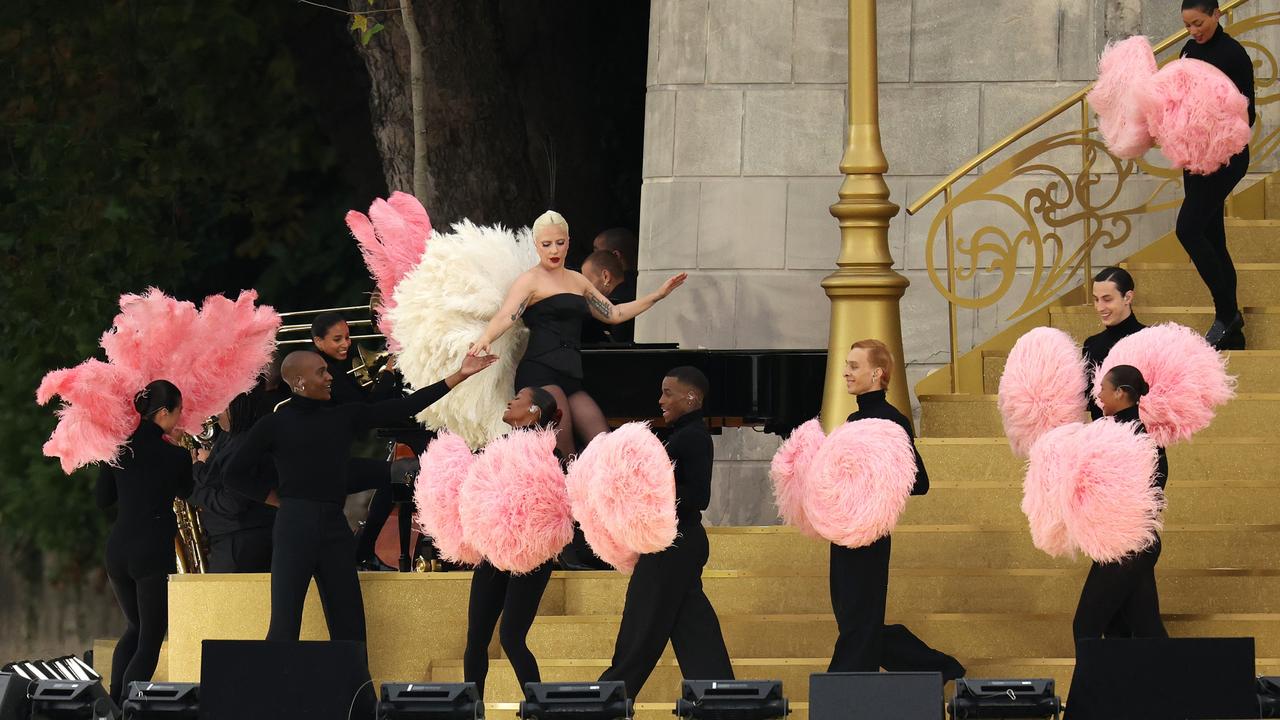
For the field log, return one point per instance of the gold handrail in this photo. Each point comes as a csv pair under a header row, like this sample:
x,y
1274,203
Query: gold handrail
x,y
1042,119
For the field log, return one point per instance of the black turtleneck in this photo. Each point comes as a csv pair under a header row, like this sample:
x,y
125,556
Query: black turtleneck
x,y
1096,348
874,404
310,442
151,474
1225,53
346,389
689,446
1130,414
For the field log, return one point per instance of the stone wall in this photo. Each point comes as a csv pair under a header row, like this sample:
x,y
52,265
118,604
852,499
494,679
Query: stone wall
x,y
744,130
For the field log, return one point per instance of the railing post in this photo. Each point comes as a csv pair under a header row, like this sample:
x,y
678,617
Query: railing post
x,y
1083,198
864,289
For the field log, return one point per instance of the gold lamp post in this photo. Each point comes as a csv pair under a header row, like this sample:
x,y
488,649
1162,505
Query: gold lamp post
x,y
864,289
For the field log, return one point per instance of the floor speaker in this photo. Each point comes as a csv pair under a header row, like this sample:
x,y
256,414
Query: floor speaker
x,y
875,696
261,680
13,697
1167,679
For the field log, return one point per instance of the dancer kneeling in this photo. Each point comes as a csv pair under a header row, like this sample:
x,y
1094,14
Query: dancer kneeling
x,y
665,599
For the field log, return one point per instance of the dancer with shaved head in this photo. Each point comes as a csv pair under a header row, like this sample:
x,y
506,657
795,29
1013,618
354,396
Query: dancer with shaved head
x,y
309,439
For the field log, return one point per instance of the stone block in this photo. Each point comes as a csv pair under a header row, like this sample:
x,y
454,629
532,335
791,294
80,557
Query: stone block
x,y
813,235
669,225
786,309
659,132
749,41
1160,19
1081,39
745,444
793,132
742,224
992,319
656,10
925,337
1007,107
682,41
821,52
697,315
1122,19
915,373
1002,40
741,495
708,132
928,129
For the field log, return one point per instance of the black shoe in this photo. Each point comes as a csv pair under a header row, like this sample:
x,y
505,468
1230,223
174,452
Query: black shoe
x,y
1233,341
373,564
953,671
1220,330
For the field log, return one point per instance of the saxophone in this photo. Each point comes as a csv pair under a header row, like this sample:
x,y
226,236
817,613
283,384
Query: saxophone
x,y
190,548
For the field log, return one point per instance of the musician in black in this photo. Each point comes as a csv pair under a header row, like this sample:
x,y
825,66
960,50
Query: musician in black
x,y
309,439
665,599
151,473
604,271
553,301
1200,226
860,576
1113,300
238,528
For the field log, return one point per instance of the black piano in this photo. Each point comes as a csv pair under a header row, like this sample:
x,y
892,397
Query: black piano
x,y
773,389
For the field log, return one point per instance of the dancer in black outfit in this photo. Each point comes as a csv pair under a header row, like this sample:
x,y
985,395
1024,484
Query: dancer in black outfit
x,y
1200,226
238,528
665,599
860,576
1125,589
497,592
140,556
1113,300
310,441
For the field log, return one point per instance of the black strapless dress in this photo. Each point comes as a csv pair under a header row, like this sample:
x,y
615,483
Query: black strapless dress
x,y
554,353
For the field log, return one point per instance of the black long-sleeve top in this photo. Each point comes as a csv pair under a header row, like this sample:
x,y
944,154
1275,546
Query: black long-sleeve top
x,y
1096,349
310,442
346,389
689,446
1162,461
874,404
152,473
1228,55
225,510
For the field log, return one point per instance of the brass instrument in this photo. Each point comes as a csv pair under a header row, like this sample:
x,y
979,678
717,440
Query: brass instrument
x,y
366,364
369,363
190,547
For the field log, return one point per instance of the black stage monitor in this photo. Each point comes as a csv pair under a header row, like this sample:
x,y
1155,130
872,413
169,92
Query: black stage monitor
x,y
580,701
1005,698
439,701
732,700
13,697
265,680
71,700
875,696
1167,679
151,700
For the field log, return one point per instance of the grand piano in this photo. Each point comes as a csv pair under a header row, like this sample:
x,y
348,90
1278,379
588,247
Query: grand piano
x,y
775,390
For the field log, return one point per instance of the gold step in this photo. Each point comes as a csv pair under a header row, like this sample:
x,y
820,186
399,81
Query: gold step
x,y
1261,324
1250,241
977,416
1179,284
1256,371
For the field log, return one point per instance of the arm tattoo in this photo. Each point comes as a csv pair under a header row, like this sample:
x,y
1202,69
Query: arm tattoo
x,y
600,305
520,310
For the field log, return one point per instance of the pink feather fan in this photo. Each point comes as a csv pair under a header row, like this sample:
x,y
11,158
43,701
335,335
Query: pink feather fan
x,y
584,473
443,467
1187,377
1043,387
392,239
633,489
859,481
211,355
1123,70
1043,489
788,470
1196,114
513,502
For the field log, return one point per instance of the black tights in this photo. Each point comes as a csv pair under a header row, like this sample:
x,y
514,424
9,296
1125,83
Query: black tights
x,y
145,602
496,592
1119,599
1203,234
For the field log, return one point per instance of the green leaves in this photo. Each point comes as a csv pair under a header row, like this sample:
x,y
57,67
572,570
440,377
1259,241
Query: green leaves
x,y
360,24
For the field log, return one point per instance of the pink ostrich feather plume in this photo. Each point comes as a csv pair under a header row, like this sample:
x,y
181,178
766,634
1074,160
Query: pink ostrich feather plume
x,y
1196,115
1110,506
1043,387
633,493
788,471
392,240
443,467
513,503
211,355
580,481
859,481
1044,487
1188,379
1123,70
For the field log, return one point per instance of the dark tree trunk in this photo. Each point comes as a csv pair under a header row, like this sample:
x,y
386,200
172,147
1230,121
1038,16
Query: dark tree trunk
x,y
477,149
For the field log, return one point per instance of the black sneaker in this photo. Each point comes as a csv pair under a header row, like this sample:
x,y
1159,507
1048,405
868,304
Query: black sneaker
x,y
1219,331
373,564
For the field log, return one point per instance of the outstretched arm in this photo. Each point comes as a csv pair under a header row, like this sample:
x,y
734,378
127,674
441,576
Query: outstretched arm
x,y
387,411
512,308
610,314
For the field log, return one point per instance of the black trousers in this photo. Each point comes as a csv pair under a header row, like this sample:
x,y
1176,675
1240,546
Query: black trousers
x,y
1203,235
665,601
242,551
859,583
516,598
1120,599
138,567
312,539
